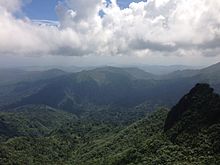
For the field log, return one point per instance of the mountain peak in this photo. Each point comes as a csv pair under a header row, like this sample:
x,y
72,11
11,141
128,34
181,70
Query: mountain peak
x,y
200,105
200,89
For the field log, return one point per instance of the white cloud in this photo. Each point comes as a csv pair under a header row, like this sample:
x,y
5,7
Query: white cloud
x,y
11,5
167,27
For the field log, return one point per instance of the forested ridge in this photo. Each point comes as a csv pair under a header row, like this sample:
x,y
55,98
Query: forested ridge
x,y
191,137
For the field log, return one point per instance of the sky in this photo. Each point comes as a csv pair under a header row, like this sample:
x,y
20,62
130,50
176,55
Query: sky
x,y
45,9
109,32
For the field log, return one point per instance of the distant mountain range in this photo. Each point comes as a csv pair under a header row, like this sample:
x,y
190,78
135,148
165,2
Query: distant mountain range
x,y
163,70
110,115
153,69
124,87
12,76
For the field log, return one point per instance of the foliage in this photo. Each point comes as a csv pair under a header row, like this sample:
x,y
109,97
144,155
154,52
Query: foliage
x,y
32,120
101,117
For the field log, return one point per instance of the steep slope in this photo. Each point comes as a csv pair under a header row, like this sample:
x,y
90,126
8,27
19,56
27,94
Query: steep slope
x,y
200,100
196,119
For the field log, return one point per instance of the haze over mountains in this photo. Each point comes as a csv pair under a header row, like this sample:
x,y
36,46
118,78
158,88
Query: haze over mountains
x,y
109,115
124,86
154,69
109,82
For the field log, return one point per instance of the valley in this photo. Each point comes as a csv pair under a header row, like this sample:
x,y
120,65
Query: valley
x,y
111,116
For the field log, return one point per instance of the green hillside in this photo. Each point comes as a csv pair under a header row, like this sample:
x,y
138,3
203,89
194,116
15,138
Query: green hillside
x,y
32,120
188,134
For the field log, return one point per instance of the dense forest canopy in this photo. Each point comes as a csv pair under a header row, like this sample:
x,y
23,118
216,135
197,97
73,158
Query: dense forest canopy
x,y
68,119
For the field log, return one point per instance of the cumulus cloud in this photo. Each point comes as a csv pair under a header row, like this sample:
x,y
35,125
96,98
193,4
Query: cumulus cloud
x,y
11,5
168,27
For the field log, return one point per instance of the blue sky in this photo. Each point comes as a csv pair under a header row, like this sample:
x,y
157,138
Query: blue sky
x,y
41,9
45,9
